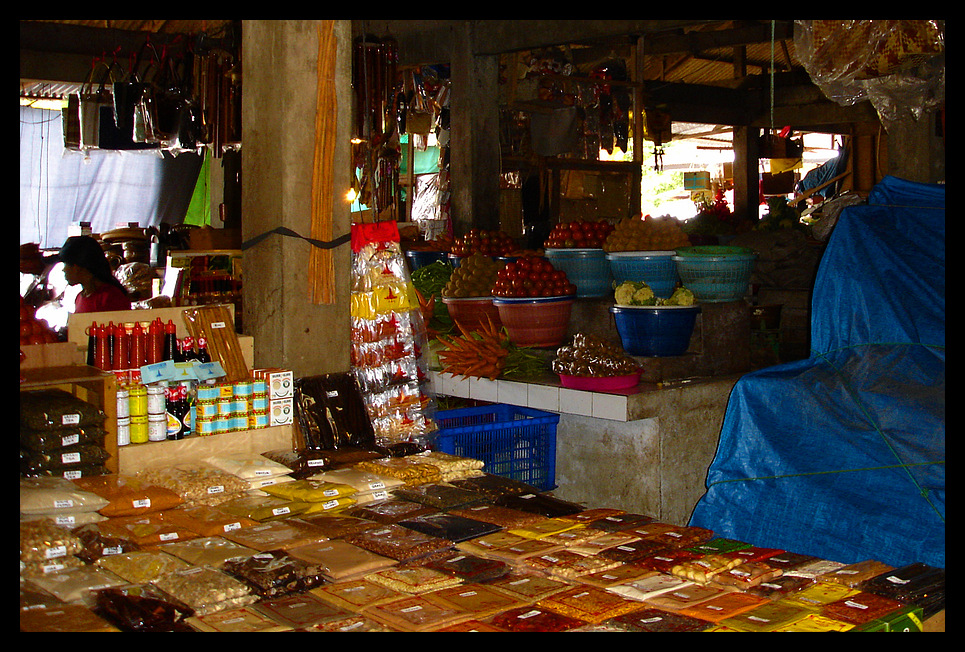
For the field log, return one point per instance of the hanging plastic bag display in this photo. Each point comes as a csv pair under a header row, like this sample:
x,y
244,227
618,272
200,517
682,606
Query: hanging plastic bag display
x,y
389,342
897,65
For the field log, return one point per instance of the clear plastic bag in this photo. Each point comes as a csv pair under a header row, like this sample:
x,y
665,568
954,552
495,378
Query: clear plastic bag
x,y
898,65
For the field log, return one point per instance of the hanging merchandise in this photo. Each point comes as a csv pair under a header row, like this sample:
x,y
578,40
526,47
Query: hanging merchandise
x,y
389,343
378,152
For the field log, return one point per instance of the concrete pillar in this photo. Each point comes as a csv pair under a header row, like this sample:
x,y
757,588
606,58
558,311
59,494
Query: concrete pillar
x,y
746,172
279,60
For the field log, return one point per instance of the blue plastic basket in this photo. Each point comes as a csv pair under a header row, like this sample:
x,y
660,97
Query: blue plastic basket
x,y
715,274
652,331
587,269
419,259
512,441
655,268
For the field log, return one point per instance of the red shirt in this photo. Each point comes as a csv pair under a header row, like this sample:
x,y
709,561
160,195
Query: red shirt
x,y
104,299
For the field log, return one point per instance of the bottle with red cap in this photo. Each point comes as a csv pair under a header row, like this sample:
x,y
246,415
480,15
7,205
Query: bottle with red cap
x,y
155,341
171,350
203,355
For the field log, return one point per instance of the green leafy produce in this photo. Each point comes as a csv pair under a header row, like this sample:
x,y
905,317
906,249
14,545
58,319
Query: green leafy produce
x,y
430,280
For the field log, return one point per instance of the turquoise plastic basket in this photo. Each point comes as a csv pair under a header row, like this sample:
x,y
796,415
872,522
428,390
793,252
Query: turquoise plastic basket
x,y
587,269
655,268
715,274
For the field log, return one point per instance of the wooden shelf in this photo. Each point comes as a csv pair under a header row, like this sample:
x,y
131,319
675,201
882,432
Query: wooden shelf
x,y
88,384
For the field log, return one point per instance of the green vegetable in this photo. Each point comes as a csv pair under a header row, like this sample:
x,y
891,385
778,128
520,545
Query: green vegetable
x,y
523,363
430,279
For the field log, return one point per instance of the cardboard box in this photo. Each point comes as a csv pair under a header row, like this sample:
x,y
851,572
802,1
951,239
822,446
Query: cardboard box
x,y
281,412
697,180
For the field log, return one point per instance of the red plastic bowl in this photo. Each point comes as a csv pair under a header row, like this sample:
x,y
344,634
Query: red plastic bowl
x,y
473,312
600,383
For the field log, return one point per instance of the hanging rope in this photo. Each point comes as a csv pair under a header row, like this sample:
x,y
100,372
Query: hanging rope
x,y
773,29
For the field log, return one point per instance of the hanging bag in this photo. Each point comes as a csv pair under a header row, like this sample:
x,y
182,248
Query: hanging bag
x,y
71,122
93,96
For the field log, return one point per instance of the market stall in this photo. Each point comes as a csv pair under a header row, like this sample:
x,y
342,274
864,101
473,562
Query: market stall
x,y
372,510
515,445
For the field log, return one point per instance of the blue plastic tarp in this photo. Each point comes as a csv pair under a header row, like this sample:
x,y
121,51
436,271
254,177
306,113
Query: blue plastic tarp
x,y
842,455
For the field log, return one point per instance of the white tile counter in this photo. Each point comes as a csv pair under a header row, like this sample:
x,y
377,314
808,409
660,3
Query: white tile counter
x,y
662,438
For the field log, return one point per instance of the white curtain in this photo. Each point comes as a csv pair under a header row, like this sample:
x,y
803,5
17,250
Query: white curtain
x,y
59,187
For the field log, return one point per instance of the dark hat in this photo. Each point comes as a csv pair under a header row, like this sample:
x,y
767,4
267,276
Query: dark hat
x,y
84,251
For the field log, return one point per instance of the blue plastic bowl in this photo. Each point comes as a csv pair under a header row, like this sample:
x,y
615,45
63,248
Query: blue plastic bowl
x,y
655,268
655,331
587,269
419,259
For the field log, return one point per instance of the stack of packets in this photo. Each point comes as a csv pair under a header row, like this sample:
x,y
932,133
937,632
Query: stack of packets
x,y
422,543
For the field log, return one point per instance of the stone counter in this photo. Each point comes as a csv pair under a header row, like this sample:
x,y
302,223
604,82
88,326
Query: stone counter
x,y
645,449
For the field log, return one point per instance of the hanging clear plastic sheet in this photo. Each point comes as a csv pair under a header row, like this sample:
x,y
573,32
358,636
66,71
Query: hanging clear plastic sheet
x,y
898,65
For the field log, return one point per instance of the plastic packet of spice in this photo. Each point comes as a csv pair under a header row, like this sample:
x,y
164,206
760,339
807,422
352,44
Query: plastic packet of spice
x,y
589,603
271,574
854,574
145,530
478,599
399,543
248,466
304,610
207,551
59,461
438,496
331,413
281,534
42,541
129,495
205,590
98,544
46,409
391,511
51,439
413,579
73,584
238,620
303,463
140,608
416,613
51,495
534,619
142,567
310,491
657,620
495,486
197,484
205,520
470,568
542,504
63,618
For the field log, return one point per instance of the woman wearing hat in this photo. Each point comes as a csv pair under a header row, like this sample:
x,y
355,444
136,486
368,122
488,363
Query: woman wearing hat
x,y
85,264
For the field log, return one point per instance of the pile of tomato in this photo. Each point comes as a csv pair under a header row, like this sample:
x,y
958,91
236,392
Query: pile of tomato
x,y
531,277
579,234
487,242
32,329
